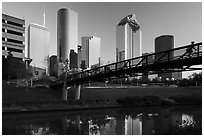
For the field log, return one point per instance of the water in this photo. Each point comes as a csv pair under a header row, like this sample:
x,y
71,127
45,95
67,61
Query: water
x,y
120,121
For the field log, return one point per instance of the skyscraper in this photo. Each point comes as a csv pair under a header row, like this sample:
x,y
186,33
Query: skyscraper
x,y
162,43
67,33
53,65
38,47
13,36
79,56
128,38
90,51
73,59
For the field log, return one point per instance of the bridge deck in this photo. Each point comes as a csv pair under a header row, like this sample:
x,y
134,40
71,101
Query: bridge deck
x,y
174,60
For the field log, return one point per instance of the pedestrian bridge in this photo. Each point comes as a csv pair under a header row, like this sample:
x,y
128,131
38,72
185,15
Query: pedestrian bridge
x,y
183,58
174,60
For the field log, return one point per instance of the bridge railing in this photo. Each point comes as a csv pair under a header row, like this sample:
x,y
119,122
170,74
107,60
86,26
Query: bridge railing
x,y
189,51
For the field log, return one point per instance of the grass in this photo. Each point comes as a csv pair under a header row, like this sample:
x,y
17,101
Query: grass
x,y
20,96
157,101
116,93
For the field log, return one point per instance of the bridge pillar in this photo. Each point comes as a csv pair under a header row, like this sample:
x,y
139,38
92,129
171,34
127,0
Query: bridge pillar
x,y
65,92
78,92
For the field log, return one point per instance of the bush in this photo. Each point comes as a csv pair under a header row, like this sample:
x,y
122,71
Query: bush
x,y
13,68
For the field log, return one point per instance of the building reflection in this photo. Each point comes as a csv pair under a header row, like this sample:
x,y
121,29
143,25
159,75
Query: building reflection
x,y
120,124
104,126
34,129
40,130
154,123
166,121
133,125
109,128
148,121
74,126
117,124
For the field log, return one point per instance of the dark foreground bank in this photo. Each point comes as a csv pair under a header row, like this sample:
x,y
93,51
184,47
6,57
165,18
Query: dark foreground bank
x,y
21,99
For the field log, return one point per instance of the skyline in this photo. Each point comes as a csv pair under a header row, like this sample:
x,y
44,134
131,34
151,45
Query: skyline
x,y
156,19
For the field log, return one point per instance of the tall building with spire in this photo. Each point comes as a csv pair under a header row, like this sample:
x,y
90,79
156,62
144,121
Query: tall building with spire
x,y
38,47
128,38
44,16
67,33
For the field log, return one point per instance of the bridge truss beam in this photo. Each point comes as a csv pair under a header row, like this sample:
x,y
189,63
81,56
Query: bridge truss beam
x,y
174,60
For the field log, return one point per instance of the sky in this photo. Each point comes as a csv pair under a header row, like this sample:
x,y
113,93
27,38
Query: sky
x,y
183,20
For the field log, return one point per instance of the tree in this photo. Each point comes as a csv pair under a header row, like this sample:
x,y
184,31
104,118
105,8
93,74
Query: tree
x,y
196,79
47,63
14,68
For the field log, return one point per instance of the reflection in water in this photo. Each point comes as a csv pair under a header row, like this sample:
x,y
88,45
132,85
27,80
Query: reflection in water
x,y
135,121
133,126
186,120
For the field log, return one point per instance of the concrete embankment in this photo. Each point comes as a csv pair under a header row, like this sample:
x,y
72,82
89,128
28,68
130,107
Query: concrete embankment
x,y
21,99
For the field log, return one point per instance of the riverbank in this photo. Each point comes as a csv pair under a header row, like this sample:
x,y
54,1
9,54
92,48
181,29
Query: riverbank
x,y
99,104
21,99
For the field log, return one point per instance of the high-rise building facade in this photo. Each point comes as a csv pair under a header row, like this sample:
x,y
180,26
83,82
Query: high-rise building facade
x,y
73,59
67,33
79,56
13,37
133,126
90,51
128,38
38,47
162,43
53,66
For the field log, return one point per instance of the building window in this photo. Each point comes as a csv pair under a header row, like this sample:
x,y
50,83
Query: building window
x,y
121,55
15,41
15,50
3,21
15,24
3,39
14,32
3,48
3,30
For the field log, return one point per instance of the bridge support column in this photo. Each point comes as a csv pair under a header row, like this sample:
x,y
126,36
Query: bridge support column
x,y
78,92
65,92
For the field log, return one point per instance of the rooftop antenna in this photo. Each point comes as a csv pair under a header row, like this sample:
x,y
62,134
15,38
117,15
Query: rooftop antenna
x,y
44,15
